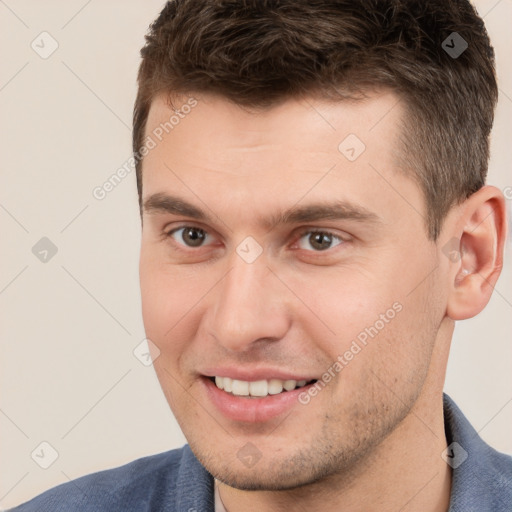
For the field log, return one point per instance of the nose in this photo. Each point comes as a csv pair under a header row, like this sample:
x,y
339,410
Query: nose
x,y
249,305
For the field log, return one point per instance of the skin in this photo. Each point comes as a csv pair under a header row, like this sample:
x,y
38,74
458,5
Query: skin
x,y
372,438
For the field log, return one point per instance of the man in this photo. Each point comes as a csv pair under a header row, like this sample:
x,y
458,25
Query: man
x,y
315,219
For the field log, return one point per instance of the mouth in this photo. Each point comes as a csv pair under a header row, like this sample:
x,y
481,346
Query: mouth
x,y
260,388
256,401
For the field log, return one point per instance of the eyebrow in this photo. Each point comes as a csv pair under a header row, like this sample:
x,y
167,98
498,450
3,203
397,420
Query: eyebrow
x,y
335,210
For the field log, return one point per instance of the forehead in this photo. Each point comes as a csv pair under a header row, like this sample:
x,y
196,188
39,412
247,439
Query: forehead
x,y
301,149
292,122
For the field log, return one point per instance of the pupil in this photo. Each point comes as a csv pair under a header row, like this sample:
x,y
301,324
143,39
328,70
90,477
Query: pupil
x,y
318,238
193,237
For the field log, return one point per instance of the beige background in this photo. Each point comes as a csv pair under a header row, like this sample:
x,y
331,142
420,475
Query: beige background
x,y
69,326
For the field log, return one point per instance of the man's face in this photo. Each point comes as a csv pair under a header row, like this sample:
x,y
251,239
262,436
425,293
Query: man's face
x,y
312,251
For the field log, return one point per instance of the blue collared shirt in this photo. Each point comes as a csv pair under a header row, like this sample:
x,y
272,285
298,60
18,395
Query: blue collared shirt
x,y
175,481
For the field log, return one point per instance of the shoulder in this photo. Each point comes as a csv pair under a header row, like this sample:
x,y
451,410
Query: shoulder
x,y
146,484
482,476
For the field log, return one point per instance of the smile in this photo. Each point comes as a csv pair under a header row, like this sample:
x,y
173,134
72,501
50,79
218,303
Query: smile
x,y
259,388
254,401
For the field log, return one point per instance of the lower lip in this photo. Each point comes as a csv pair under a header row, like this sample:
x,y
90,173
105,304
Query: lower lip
x,y
252,410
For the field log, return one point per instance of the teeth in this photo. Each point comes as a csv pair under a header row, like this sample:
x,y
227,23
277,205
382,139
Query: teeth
x,y
290,384
240,387
259,388
275,386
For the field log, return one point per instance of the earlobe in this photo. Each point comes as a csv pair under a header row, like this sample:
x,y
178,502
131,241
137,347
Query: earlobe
x,y
480,235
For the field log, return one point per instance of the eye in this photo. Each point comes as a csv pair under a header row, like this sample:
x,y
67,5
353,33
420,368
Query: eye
x,y
319,240
190,236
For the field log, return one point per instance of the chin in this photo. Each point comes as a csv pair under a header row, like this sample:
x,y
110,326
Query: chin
x,y
255,480
290,471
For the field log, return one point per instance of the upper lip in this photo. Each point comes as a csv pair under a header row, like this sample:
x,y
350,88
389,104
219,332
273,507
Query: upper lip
x,y
251,375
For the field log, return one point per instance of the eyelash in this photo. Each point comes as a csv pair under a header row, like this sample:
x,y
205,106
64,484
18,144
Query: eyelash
x,y
303,233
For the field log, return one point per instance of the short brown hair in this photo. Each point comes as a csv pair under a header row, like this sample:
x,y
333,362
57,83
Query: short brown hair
x,y
258,53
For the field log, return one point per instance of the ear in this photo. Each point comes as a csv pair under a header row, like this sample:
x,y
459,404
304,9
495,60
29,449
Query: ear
x,y
476,252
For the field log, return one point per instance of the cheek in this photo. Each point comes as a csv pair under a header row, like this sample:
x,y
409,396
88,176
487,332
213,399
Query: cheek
x,y
157,303
368,320
166,298
344,301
